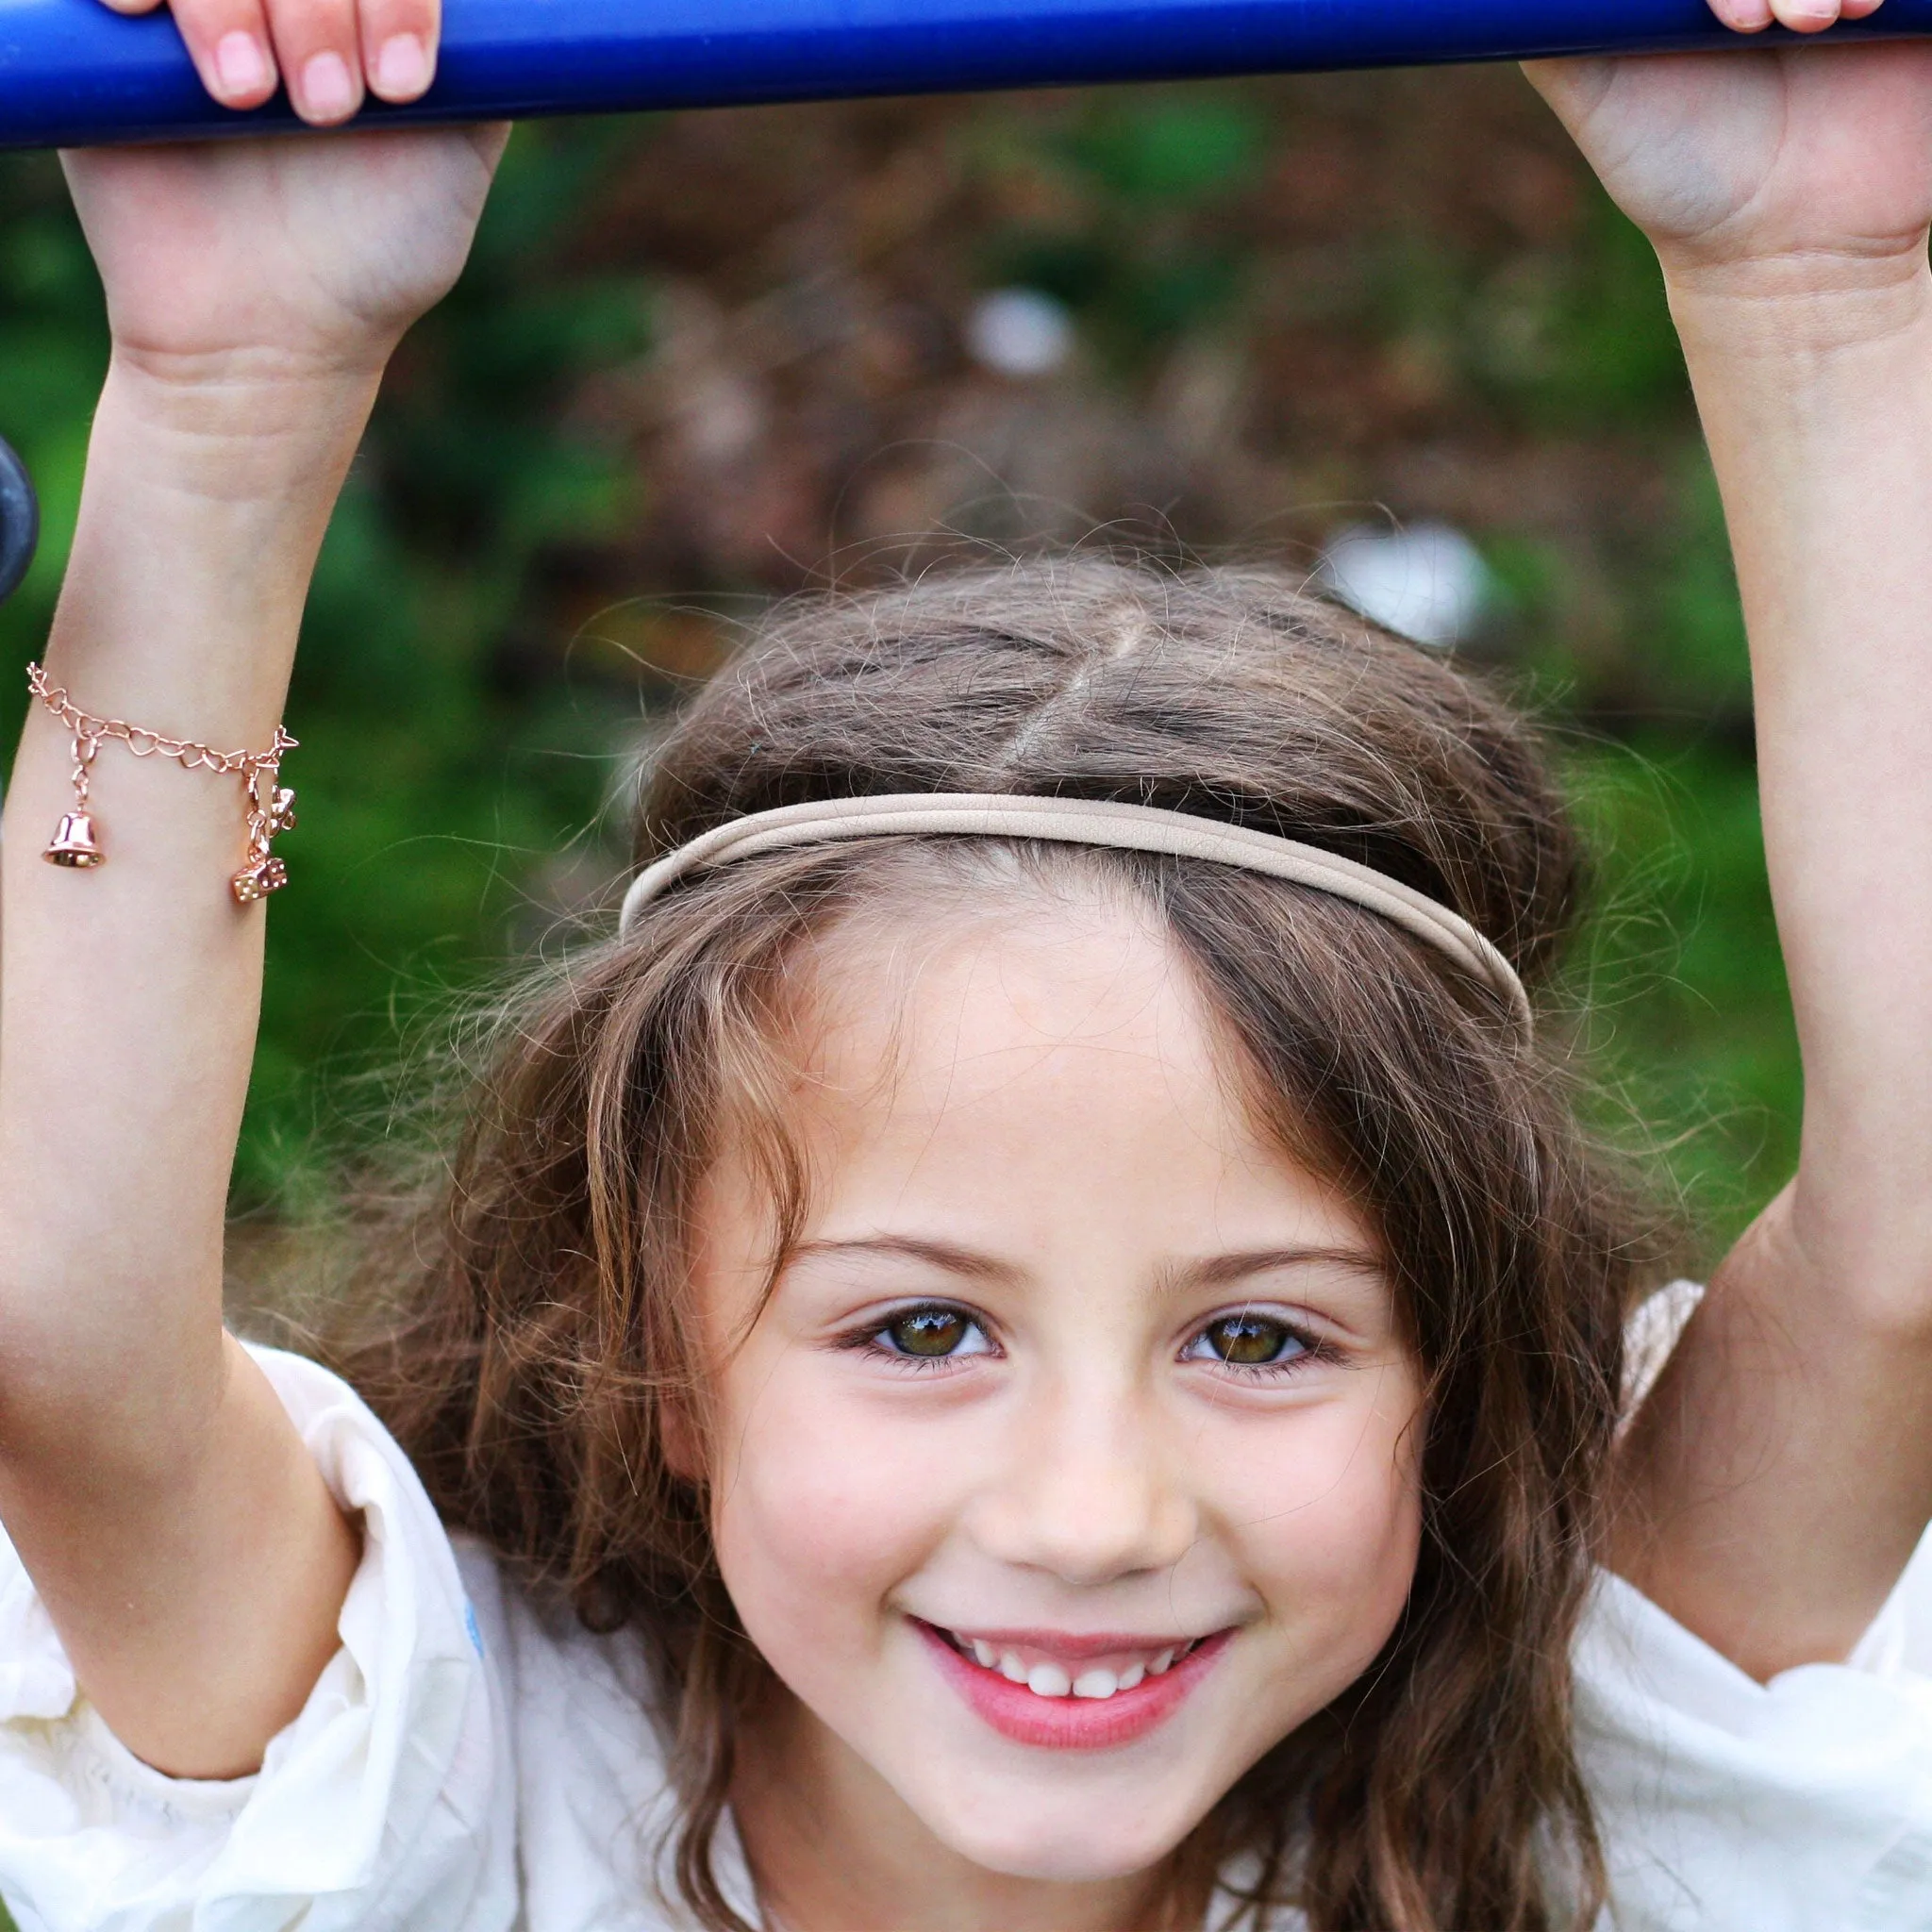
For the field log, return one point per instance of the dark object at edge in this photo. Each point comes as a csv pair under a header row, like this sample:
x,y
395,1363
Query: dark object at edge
x,y
20,520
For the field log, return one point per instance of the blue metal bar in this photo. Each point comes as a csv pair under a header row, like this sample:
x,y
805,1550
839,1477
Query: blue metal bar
x,y
72,72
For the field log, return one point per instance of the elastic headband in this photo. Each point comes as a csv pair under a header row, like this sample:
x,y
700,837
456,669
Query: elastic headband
x,y
1089,822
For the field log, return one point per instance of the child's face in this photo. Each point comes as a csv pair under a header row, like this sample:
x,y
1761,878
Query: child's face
x,y
1072,1372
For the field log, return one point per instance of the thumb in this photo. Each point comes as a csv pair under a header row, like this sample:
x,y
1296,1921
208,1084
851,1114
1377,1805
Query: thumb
x,y
1574,87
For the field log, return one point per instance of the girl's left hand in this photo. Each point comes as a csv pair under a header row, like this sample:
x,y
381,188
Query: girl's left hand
x,y
1777,1481
1817,159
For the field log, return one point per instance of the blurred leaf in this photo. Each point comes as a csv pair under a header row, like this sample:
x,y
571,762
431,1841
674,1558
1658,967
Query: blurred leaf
x,y
1582,337
1174,150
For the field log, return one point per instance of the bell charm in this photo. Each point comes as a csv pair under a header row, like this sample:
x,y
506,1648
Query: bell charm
x,y
74,842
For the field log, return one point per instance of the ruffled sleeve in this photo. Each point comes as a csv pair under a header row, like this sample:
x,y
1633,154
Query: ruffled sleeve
x,y
1804,1805
387,1806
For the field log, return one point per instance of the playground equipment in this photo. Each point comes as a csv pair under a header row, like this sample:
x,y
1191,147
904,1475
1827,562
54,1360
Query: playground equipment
x,y
72,73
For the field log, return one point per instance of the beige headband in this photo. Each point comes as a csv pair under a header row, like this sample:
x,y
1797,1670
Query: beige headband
x,y
1089,821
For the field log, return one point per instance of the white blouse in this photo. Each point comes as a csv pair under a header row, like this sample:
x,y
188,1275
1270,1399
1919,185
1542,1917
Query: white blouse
x,y
469,1762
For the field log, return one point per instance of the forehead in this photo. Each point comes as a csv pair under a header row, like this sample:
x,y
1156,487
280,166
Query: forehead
x,y
1047,1065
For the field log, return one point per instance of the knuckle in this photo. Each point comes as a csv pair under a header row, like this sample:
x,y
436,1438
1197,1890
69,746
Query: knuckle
x,y
382,18
197,19
314,26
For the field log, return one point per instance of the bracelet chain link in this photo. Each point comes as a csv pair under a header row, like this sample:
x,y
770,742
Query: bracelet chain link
x,y
77,842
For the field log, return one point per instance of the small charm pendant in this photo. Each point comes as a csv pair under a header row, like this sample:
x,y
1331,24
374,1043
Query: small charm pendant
x,y
271,809
258,880
74,842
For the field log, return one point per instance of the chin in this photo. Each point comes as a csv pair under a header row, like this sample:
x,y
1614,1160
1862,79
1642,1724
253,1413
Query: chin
x,y
1081,1844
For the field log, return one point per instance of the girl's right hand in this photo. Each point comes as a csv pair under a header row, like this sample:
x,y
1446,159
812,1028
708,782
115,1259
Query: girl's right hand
x,y
255,259
176,1528
329,52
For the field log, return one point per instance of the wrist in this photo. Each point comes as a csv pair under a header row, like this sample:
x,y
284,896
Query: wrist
x,y
1798,308
236,429
202,512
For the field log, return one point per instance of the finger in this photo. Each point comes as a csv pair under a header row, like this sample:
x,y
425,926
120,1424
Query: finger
x,y
1806,16
1858,9
227,41
400,39
321,58
132,6
1743,16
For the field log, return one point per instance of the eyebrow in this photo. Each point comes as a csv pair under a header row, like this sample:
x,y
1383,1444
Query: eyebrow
x,y
1215,1270
969,1263
1224,1271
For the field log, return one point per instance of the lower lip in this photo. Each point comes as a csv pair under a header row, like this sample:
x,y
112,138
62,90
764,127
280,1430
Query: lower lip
x,y
1073,1724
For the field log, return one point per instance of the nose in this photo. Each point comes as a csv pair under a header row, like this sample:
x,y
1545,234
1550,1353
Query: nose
x,y
1090,1488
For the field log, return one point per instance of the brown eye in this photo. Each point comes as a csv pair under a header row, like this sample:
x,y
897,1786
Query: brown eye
x,y
1247,1341
931,1334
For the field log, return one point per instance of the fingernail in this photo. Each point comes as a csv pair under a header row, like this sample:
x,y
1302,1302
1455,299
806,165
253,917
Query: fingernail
x,y
402,69
240,65
327,92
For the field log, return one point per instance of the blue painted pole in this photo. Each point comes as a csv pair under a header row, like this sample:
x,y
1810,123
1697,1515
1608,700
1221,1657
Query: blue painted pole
x,y
73,74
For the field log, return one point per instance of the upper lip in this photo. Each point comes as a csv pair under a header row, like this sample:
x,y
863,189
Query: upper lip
x,y
1071,1645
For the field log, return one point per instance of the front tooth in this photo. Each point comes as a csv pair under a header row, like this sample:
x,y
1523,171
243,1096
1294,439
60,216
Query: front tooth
x,y
1160,1663
984,1655
1048,1680
1011,1668
1095,1683
1130,1676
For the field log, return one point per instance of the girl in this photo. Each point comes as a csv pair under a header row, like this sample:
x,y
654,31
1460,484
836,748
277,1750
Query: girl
x,y
1031,1345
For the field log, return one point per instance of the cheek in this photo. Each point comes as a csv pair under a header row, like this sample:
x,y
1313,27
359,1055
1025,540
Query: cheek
x,y
820,1513
1325,1515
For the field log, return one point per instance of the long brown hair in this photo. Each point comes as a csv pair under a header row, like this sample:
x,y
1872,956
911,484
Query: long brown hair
x,y
534,1298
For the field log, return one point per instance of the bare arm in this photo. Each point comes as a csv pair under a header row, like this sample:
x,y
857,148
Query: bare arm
x,y
1782,1472
144,1467
180,1535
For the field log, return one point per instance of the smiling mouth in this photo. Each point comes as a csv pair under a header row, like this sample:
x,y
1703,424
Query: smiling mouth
x,y
1049,1676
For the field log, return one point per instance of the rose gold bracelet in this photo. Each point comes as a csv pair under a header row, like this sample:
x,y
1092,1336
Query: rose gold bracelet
x,y
76,839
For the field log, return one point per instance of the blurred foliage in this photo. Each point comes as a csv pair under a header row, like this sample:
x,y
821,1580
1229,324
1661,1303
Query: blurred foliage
x,y
695,357
1126,258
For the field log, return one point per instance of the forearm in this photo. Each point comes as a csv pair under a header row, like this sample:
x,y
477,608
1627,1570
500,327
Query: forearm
x,y
1818,407
140,1454
129,993
1782,1474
